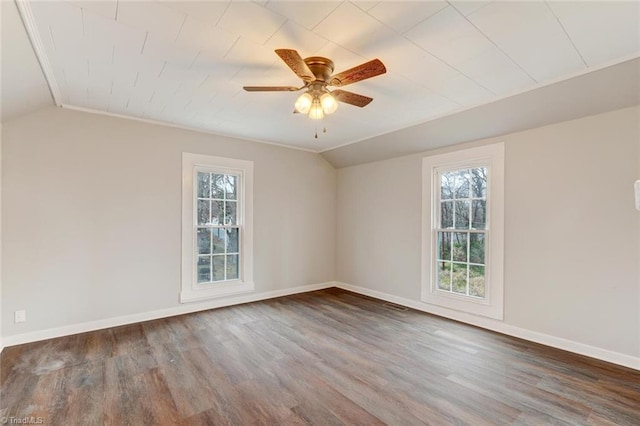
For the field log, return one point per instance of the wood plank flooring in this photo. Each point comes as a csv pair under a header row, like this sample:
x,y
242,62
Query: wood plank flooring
x,y
329,357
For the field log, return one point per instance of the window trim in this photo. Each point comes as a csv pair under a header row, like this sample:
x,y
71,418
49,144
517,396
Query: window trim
x,y
191,290
491,156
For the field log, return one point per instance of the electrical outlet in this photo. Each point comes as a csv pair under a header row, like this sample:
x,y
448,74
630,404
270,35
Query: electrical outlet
x,y
20,316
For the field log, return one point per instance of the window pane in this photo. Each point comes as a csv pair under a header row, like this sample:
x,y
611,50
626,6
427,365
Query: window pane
x,y
230,213
444,276
204,269
217,212
462,214
231,187
476,281
446,214
218,240
217,186
218,268
204,241
459,284
232,240
479,182
447,181
462,184
459,244
232,267
204,184
203,212
444,245
479,214
476,248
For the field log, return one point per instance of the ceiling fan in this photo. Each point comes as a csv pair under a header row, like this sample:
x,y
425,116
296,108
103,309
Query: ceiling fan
x,y
317,74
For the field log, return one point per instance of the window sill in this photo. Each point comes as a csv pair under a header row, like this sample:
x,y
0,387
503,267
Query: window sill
x,y
482,307
211,292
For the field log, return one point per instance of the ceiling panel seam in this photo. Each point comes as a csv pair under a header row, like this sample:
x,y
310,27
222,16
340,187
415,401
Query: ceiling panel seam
x,y
567,33
433,55
490,40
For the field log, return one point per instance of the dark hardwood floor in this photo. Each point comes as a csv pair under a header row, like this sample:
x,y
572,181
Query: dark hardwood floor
x,y
324,358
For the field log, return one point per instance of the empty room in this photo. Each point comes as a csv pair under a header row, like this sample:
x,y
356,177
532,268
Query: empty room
x,y
320,212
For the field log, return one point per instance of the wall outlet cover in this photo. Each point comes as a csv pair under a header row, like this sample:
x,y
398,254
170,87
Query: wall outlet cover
x,y
20,316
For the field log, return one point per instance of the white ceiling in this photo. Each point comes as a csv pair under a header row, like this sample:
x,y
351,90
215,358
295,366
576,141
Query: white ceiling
x,y
185,62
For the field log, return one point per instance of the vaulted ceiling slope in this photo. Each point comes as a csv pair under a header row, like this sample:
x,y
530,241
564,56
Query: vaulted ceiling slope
x,y
607,89
184,62
23,87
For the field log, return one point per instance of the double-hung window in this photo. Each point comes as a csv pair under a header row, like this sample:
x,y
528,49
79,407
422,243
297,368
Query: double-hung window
x,y
217,227
463,230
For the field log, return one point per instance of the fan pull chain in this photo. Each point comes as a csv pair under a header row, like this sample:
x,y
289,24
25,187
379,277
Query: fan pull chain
x,y
324,130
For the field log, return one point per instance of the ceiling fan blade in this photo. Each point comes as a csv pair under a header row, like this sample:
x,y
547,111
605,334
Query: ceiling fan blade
x,y
271,88
359,73
294,61
351,98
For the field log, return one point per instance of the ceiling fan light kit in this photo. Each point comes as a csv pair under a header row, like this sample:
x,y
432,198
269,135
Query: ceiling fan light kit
x,y
316,102
316,73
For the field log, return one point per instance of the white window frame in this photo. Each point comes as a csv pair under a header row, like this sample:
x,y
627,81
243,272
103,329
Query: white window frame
x,y
491,157
191,290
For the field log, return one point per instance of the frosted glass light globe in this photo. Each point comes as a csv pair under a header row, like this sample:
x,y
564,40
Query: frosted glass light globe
x,y
303,104
316,112
329,104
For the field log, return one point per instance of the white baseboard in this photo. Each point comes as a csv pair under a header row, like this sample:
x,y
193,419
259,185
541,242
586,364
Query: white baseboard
x,y
18,339
500,327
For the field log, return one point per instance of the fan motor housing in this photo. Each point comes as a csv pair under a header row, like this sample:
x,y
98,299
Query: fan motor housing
x,y
321,67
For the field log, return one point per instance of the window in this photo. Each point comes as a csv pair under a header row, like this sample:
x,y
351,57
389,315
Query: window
x,y
463,215
217,227
460,231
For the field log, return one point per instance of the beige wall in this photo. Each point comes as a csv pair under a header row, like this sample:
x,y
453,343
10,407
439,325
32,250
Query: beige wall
x,y
1,340
571,258
637,118
571,246
92,212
